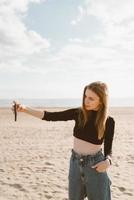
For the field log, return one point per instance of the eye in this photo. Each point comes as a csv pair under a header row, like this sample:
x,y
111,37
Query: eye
x,y
91,98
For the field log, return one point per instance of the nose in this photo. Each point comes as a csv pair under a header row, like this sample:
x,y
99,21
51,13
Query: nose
x,y
87,101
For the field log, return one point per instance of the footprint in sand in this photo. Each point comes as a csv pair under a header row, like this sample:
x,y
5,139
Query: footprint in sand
x,y
48,163
128,193
17,186
122,189
48,196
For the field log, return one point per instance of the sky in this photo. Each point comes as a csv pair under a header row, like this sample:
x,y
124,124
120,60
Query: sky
x,y
53,48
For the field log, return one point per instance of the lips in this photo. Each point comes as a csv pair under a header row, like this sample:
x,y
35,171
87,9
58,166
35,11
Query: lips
x,y
87,107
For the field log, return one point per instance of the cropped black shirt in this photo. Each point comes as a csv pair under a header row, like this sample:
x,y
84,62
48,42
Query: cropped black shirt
x,y
89,132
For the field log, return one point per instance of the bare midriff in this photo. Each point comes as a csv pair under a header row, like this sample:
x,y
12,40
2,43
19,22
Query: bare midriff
x,y
85,148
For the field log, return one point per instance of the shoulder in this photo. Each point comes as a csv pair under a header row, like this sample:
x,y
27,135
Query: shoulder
x,y
110,120
76,109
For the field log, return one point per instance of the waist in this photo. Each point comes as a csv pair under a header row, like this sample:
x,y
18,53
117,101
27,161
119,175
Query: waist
x,y
83,147
86,157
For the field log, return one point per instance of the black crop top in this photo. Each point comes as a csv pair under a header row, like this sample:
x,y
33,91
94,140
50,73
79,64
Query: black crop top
x,y
87,133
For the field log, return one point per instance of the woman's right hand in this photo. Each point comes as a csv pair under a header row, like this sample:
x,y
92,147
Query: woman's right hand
x,y
22,108
19,107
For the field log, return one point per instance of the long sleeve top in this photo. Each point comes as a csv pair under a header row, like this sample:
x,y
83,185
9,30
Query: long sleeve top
x,y
88,132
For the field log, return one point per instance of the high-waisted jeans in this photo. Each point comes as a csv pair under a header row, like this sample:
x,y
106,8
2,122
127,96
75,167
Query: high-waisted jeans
x,y
85,181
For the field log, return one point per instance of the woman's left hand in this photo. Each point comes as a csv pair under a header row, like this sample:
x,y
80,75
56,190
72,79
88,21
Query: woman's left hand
x,y
102,166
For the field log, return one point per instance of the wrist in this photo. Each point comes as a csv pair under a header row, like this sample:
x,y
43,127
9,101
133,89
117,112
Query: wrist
x,y
108,162
108,158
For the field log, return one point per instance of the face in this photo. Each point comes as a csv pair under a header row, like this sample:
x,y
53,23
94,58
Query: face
x,y
92,100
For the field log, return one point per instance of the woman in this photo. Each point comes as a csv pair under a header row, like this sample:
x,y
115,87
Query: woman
x,y
93,126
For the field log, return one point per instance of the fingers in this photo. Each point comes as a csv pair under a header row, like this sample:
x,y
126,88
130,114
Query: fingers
x,y
19,107
100,167
94,166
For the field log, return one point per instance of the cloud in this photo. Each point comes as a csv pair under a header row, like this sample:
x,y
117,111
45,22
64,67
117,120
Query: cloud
x,y
114,44
16,41
107,56
116,20
79,17
114,12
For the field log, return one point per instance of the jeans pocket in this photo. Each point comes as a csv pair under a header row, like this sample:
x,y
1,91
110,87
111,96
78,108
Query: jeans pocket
x,y
97,161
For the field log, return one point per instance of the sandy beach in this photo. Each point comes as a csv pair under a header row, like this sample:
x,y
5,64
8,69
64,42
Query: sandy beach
x,y
34,156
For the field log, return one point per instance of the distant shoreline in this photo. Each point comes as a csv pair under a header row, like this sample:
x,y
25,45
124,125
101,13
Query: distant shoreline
x,y
64,102
66,107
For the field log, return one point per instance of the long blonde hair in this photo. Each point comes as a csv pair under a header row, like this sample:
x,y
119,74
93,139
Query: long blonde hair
x,y
101,90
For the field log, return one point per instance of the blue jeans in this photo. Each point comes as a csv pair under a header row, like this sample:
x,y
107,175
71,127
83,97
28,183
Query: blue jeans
x,y
85,181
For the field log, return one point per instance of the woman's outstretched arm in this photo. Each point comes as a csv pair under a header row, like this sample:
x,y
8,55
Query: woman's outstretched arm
x,y
31,111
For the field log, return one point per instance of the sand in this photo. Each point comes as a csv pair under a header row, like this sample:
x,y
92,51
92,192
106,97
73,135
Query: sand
x,y
34,156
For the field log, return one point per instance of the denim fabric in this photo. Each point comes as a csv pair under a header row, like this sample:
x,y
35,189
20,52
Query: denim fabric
x,y
85,181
